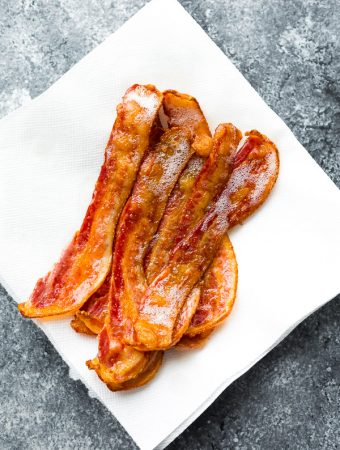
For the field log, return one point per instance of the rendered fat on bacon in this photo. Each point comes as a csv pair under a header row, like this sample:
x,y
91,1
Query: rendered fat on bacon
x,y
258,164
191,201
141,217
85,262
217,291
209,183
188,203
116,362
137,227
182,111
247,190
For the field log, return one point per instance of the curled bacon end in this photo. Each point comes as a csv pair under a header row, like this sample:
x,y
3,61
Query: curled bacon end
x,y
144,376
194,342
86,261
80,327
184,111
121,366
115,362
84,322
256,168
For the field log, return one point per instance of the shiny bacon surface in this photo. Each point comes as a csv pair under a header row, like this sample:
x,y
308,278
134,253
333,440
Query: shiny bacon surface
x,y
137,226
140,219
217,291
206,186
166,295
152,266
84,264
181,111
208,183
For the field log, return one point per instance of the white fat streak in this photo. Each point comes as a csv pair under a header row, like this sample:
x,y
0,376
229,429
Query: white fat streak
x,y
144,98
170,167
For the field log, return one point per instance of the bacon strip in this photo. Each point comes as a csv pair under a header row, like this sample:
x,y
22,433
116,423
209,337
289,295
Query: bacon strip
x,y
218,291
84,264
137,226
218,288
193,201
209,183
167,293
182,111
141,217
188,202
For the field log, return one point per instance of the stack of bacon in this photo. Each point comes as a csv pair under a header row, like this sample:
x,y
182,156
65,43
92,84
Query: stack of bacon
x,y
152,266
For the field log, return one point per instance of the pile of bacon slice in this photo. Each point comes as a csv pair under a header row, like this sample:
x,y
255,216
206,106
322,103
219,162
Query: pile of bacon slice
x,y
152,266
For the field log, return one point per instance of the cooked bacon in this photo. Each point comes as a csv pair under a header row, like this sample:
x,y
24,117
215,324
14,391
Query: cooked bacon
x,y
142,373
182,111
218,287
194,195
141,216
209,183
165,296
194,342
116,362
218,291
137,226
84,264
91,319
171,278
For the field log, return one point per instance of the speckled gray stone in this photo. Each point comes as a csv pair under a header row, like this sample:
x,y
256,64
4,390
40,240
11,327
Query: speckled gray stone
x,y
289,51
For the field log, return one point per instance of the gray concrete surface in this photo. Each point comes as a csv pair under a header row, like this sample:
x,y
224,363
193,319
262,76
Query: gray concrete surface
x,y
289,51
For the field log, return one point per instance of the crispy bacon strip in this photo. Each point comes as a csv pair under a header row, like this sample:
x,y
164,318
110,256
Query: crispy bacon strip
x,y
84,264
186,207
245,192
182,111
193,201
138,223
166,295
132,240
141,217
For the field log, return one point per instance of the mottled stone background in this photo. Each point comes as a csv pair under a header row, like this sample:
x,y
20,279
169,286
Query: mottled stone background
x,y
289,51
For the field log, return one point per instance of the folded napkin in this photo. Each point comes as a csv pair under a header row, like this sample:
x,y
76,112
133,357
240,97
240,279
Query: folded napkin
x,y
50,154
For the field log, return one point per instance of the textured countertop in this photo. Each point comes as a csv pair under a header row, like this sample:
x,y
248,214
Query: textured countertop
x,y
289,51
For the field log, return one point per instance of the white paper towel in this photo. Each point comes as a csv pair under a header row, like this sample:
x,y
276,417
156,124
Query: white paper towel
x,y
50,154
